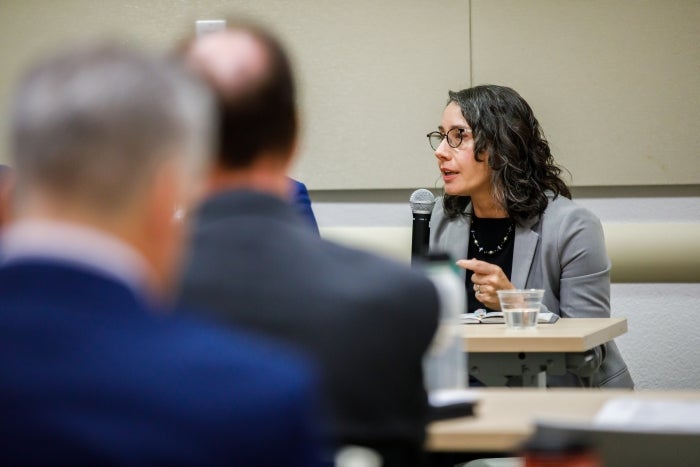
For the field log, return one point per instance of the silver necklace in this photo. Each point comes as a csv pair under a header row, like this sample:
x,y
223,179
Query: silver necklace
x,y
498,247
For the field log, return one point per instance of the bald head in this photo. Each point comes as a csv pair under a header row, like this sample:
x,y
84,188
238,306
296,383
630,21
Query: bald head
x,y
251,77
234,62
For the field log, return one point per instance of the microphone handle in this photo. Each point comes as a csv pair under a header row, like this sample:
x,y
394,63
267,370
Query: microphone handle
x,y
420,237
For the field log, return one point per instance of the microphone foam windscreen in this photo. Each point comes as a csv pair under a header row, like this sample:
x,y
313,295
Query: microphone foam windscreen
x,y
422,201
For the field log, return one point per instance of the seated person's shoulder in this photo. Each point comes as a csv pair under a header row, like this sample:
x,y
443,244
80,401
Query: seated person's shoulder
x,y
562,210
235,385
377,278
371,264
236,357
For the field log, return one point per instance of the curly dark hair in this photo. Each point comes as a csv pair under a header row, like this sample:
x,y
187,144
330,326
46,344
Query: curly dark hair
x,y
523,168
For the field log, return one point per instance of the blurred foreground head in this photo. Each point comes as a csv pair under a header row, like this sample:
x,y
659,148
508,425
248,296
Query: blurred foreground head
x,y
114,140
251,77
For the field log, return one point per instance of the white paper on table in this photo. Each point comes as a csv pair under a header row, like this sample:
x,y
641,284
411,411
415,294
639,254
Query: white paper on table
x,y
443,397
649,415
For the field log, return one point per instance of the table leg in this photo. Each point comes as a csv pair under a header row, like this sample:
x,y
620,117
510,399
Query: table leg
x,y
520,369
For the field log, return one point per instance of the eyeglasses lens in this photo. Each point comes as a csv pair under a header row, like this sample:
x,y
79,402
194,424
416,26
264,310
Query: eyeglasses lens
x,y
435,139
454,137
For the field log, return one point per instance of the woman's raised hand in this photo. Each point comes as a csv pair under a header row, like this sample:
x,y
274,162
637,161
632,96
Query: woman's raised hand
x,y
488,279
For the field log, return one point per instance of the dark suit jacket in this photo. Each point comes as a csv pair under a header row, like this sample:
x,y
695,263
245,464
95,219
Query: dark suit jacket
x,y
366,320
91,374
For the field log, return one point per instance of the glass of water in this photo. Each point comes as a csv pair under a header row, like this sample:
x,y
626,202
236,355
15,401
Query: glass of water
x,y
520,307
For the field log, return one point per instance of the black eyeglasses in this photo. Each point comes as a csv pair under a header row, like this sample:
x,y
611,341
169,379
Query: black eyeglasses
x,y
454,137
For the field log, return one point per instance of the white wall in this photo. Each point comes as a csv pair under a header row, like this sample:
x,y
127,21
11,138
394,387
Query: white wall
x,y
662,347
358,65
613,83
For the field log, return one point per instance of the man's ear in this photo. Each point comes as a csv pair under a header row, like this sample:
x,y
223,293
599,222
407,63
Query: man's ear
x,y
165,194
7,181
163,232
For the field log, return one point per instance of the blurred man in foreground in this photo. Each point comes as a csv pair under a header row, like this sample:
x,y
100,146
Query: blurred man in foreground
x,y
106,144
365,320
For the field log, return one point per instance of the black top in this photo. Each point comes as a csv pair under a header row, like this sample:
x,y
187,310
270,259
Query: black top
x,y
488,242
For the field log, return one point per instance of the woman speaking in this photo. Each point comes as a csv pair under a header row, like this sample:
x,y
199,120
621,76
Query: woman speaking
x,y
508,217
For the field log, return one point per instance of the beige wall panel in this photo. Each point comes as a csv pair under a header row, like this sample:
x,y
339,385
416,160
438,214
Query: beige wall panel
x,y
615,84
373,76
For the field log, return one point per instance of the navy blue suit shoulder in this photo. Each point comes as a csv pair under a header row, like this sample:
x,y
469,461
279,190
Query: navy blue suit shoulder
x,y
92,374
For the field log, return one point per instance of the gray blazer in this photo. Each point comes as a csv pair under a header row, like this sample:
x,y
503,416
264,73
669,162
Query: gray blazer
x,y
561,251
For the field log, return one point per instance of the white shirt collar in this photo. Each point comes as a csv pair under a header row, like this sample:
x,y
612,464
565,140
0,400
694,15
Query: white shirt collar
x,y
77,244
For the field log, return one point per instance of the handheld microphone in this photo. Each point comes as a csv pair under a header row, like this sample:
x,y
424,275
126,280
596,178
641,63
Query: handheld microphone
x,y
422,202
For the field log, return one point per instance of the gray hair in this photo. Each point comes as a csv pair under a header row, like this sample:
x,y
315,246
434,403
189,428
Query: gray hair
x,y
93,123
